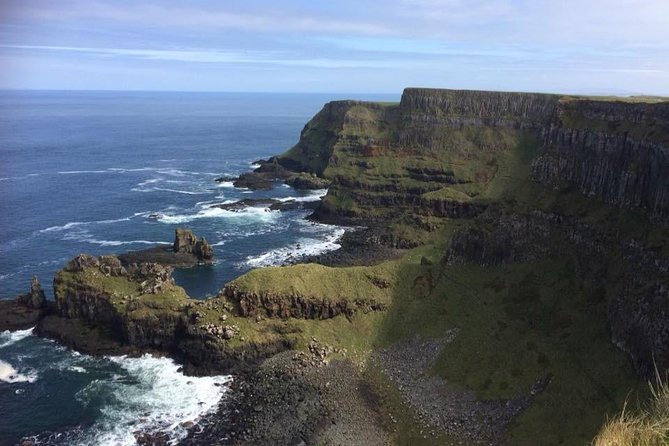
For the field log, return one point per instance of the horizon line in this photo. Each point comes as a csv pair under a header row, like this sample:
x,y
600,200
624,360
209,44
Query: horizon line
x,y
399,93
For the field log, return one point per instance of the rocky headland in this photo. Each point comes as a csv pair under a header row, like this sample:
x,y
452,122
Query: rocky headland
x,y
511,285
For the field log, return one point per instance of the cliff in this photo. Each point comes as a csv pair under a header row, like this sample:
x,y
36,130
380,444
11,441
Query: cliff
x,y
533,267
437,149
615,151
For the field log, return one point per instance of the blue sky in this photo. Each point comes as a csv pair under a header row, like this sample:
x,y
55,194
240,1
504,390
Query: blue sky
x,y
574,46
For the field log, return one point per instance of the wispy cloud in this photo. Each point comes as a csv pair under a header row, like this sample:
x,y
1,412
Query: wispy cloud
x,y
212,15
211,56
517,44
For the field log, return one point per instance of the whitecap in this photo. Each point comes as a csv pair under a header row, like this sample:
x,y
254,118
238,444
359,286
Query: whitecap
x,y
120,242
247,215
76,172
149,181
254,166
314,195
74,224
9,374
305,246
226,184
165,189
154,397
69,225
8,338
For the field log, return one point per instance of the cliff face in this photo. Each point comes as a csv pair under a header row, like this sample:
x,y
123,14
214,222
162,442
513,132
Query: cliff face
x,y
614,151
440,155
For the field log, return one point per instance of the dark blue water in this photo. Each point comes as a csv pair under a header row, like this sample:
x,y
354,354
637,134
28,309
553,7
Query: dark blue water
x,y
81,172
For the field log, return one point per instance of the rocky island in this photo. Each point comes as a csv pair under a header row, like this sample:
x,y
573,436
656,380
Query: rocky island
x,y
522,293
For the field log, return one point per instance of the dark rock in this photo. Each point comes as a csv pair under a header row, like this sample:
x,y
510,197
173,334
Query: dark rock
x,y
307,181
247,202
186,242
265,176
187,250
26,310
35,299
81,262
225,179
618,152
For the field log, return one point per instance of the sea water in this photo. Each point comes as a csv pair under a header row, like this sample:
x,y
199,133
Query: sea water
x,y
88,172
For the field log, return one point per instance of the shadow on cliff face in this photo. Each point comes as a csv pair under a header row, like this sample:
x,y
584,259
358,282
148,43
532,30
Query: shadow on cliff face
x,y
532,360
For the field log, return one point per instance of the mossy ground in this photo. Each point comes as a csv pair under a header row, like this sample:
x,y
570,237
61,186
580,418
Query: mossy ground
x,y
518,323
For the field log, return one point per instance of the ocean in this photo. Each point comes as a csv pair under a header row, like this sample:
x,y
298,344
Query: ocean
x,y
82,172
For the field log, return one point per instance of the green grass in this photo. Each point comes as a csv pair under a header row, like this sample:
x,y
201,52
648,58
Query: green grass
x,y
321,282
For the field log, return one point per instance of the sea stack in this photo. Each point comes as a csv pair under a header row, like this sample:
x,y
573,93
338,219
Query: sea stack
x,y
186,242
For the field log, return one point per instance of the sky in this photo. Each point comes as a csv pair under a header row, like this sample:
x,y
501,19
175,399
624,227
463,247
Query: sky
x,y
566,46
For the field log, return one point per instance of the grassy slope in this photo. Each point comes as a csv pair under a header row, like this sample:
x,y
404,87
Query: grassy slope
x,y
519,323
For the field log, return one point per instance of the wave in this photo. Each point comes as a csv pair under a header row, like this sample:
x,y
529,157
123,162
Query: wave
x,y
120,243
154,397
74,224
226,184
303,247
165,189
247,215
76,172
9,374
242,232
8,338
314,195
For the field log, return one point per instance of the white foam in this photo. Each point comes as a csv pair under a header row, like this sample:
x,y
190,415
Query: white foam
x,y
76,172
314,195
9,374
254,166
8,338
247,215
120,243
166,189
157,398
227,184
74,224
307,246
149,181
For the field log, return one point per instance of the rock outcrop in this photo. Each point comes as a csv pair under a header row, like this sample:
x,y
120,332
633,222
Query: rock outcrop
x,y
35,299
253,304
187,250
186,242
24,311
614,151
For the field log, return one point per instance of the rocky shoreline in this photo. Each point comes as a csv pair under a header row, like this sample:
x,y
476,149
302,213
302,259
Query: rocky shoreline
x,y
488,247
